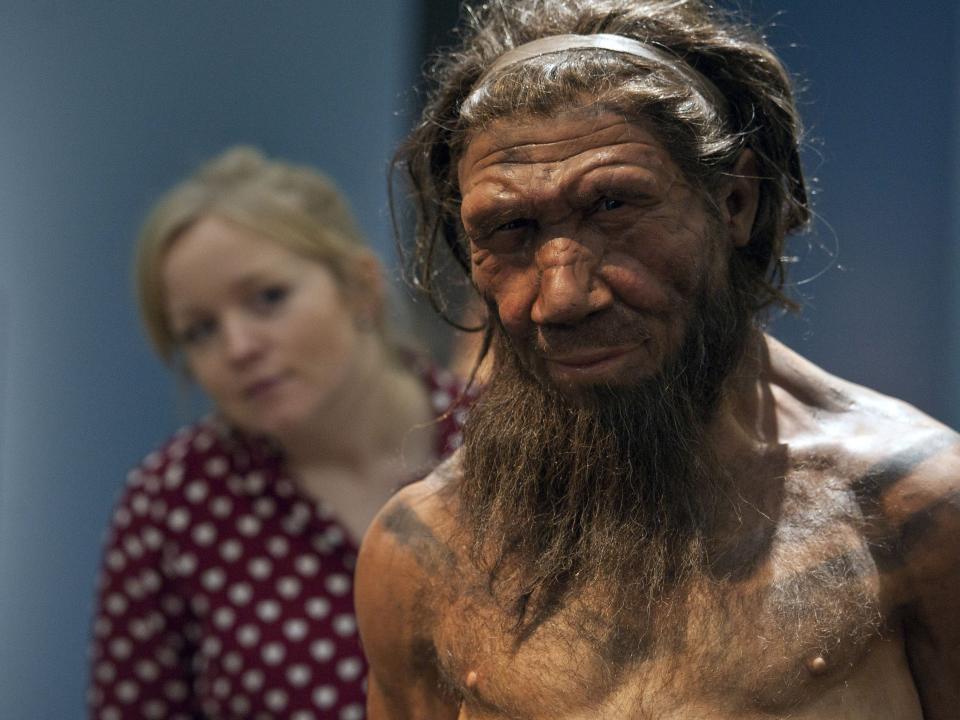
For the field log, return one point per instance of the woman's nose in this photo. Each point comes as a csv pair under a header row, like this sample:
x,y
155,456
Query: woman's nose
x,y
240,340
569,288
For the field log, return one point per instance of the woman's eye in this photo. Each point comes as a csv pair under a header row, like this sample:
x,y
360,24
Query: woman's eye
x,y
197,332
271,296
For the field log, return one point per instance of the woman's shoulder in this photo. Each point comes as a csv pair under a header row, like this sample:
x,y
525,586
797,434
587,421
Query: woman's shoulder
x,y
207,449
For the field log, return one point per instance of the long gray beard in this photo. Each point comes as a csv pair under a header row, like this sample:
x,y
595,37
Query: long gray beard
x,y
611,485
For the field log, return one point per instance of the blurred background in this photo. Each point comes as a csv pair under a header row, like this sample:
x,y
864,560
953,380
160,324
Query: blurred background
x,y
105,105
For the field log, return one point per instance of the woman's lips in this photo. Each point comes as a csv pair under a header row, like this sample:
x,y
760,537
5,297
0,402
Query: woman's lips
x,y
261,387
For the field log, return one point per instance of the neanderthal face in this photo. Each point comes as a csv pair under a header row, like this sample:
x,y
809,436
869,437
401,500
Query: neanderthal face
x,y
590,243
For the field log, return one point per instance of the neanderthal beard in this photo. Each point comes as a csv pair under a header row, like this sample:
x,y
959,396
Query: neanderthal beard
x,y
612,487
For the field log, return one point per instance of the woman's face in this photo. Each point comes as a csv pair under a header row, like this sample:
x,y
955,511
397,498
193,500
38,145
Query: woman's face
x,y
266,332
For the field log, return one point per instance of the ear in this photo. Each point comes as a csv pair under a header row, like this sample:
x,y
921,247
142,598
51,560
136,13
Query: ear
x,y
739,204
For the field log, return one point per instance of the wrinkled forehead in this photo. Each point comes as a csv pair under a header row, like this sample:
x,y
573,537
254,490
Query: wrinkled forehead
x,y
526,137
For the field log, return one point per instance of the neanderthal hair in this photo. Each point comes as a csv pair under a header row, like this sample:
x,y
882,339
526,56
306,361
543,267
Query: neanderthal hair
x,y
757,113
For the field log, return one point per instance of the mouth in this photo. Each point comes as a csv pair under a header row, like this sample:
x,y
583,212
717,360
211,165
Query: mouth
x,y
259,388
585,365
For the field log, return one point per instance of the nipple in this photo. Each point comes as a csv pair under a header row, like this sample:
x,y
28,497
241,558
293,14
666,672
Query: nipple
x,y
817,665
472,679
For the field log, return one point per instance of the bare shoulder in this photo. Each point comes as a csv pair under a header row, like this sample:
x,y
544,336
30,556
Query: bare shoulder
x,y
404,571
902,465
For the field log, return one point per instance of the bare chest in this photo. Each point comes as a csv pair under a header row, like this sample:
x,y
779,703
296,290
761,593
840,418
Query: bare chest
x,y
802,622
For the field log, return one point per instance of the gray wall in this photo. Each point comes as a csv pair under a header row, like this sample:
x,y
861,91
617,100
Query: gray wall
x,y
105,104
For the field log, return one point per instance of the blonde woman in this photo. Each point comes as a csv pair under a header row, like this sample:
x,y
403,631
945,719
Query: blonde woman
x,y
227,581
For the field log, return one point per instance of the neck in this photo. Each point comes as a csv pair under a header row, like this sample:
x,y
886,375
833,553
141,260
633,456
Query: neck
x,y
367,421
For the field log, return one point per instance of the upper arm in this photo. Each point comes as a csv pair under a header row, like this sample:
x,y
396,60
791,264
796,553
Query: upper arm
x,y
926,504
397,577
138,665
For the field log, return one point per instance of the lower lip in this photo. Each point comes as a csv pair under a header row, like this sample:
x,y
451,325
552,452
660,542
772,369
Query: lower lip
x,y
263,388
591,369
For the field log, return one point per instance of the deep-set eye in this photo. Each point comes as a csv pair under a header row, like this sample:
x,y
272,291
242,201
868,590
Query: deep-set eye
x,y
515,224
609,203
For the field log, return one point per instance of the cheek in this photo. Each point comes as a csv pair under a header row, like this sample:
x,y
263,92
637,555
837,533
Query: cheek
x,y
510,285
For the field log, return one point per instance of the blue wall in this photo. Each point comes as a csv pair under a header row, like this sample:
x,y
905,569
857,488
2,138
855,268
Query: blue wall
x,y
879,94
105,104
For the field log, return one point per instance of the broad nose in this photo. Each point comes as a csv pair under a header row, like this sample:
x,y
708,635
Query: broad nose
x,y
569,286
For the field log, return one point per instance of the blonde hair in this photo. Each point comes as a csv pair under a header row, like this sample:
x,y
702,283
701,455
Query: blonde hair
x,y
296,207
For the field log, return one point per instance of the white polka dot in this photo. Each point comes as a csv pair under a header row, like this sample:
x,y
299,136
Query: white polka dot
x,y
273,653
325,696
334,535
186,564
173,476
298,675
121,648
204,534
102,627
248,635
221,506
349,669
284,487
158,510
139,629
275,700
211,646
133,546
105,672
295,629
288,587
231,550
151,580
440,399
197,491
255,483
303,715
203,441
352,712
278,546
175,690
167,656
232,662
214,579
344,625
121,517
224,617
264,507
259,568
317,607
253,680
127,691
178,519
240,705
140,504
268,610
216,466
240,593
154,709
116,604
152,537
338,584
151,484
235,485
307,565
147,670
110,713
322,650
133,588
248,525
221,687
